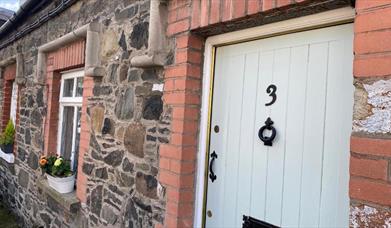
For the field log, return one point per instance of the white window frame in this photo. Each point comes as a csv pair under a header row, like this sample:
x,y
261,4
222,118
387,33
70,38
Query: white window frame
x,y
14,102
70,102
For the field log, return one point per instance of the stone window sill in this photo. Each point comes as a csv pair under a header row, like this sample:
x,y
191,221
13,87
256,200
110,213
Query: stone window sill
x,y
68,201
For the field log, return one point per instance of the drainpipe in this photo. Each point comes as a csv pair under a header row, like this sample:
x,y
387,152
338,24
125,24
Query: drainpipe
x,y
156,53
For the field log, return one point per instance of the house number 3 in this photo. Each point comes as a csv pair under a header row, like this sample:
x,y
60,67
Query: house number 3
x,y
271,90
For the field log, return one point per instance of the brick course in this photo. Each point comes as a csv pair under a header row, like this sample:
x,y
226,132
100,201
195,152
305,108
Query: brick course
x,y
371,146
370,168
370,191
370,5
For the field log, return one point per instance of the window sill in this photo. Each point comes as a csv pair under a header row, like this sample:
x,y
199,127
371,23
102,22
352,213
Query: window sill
x,y
68,201
9,158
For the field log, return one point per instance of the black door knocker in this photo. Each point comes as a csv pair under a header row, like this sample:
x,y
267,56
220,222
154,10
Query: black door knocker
x,y
267,140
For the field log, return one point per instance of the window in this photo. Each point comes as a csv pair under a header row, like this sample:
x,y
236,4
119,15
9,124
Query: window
x,y
71,97
10,92
14,102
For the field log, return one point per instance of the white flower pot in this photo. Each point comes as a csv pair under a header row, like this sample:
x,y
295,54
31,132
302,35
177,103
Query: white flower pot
x,y
62,184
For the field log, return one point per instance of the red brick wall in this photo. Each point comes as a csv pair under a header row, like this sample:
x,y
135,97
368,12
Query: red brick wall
x,y
69,57
369,165
178,159
9,76
370,181
51,121
88,86
210,12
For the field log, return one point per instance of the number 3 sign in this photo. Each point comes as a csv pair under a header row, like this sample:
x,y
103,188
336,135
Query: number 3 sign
x,y
271,90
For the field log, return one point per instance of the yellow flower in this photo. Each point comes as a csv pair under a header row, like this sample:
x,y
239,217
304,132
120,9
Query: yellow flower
x,y
58,162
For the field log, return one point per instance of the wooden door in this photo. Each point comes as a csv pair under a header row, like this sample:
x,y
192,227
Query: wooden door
x,y
302,179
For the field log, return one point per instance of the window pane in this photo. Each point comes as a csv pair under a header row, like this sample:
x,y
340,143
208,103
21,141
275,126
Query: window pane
x,y
67,132
77,139
14,102
68,88
79,87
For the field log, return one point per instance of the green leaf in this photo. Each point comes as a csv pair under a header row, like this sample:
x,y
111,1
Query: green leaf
x,y
8,135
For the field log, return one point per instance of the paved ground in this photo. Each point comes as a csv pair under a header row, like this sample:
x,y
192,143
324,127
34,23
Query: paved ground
x,y
7,220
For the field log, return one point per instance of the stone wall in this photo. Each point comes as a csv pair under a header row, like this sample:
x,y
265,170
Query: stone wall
x,y
370,160
122,164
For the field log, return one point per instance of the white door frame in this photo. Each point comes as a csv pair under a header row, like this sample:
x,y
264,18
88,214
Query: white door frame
x,y
329,18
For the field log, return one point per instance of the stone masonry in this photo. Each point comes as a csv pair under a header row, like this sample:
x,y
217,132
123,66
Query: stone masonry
x,y
141,163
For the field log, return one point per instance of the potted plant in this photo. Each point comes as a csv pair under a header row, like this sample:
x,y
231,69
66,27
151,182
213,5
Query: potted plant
x,y
7,138
59,174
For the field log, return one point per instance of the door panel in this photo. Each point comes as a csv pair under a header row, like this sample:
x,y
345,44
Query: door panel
x,y
313,134
233,141
274,179
258,179
295,129
246,143
302,179
335,161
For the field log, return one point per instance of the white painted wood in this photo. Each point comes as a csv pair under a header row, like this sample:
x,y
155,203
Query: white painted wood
x,y
302,23
332,140
345,82
258,179
302,180
73,101
231,152
294,143
276,153
217,194
335,165
249,105
313,134
14,102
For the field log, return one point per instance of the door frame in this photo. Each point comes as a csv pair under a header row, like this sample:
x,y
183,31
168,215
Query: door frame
x,y
320,20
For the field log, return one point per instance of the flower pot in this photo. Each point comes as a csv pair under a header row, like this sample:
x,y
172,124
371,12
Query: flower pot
x,y
8,149
62,184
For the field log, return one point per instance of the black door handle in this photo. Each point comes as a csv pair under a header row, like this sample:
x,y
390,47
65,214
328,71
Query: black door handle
x,y
267,140
212,175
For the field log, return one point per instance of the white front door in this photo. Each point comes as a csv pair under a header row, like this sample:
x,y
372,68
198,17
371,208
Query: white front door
x,y
304,83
